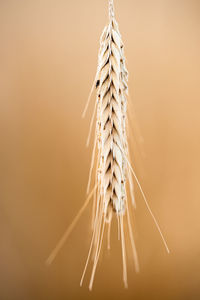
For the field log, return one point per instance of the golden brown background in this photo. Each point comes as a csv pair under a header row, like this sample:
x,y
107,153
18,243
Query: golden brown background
x,y
48,57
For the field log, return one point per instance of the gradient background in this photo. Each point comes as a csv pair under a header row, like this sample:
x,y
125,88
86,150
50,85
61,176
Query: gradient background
x,y
48,58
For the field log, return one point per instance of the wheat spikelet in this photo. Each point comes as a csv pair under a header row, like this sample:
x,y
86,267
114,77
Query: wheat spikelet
x,y
111,140
113,169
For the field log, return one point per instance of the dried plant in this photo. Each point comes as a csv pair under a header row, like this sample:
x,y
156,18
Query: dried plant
x,y
111,141
113,169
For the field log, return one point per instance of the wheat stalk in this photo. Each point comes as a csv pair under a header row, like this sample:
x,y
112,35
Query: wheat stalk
x,y
113,168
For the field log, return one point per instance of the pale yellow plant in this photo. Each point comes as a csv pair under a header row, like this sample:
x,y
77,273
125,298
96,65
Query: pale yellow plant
x,y
113,169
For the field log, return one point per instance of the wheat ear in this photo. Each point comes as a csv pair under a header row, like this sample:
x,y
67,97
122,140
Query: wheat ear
x,y
113,168
111,139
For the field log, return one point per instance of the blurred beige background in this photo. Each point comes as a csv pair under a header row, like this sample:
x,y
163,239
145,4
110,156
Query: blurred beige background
x,y
48,58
